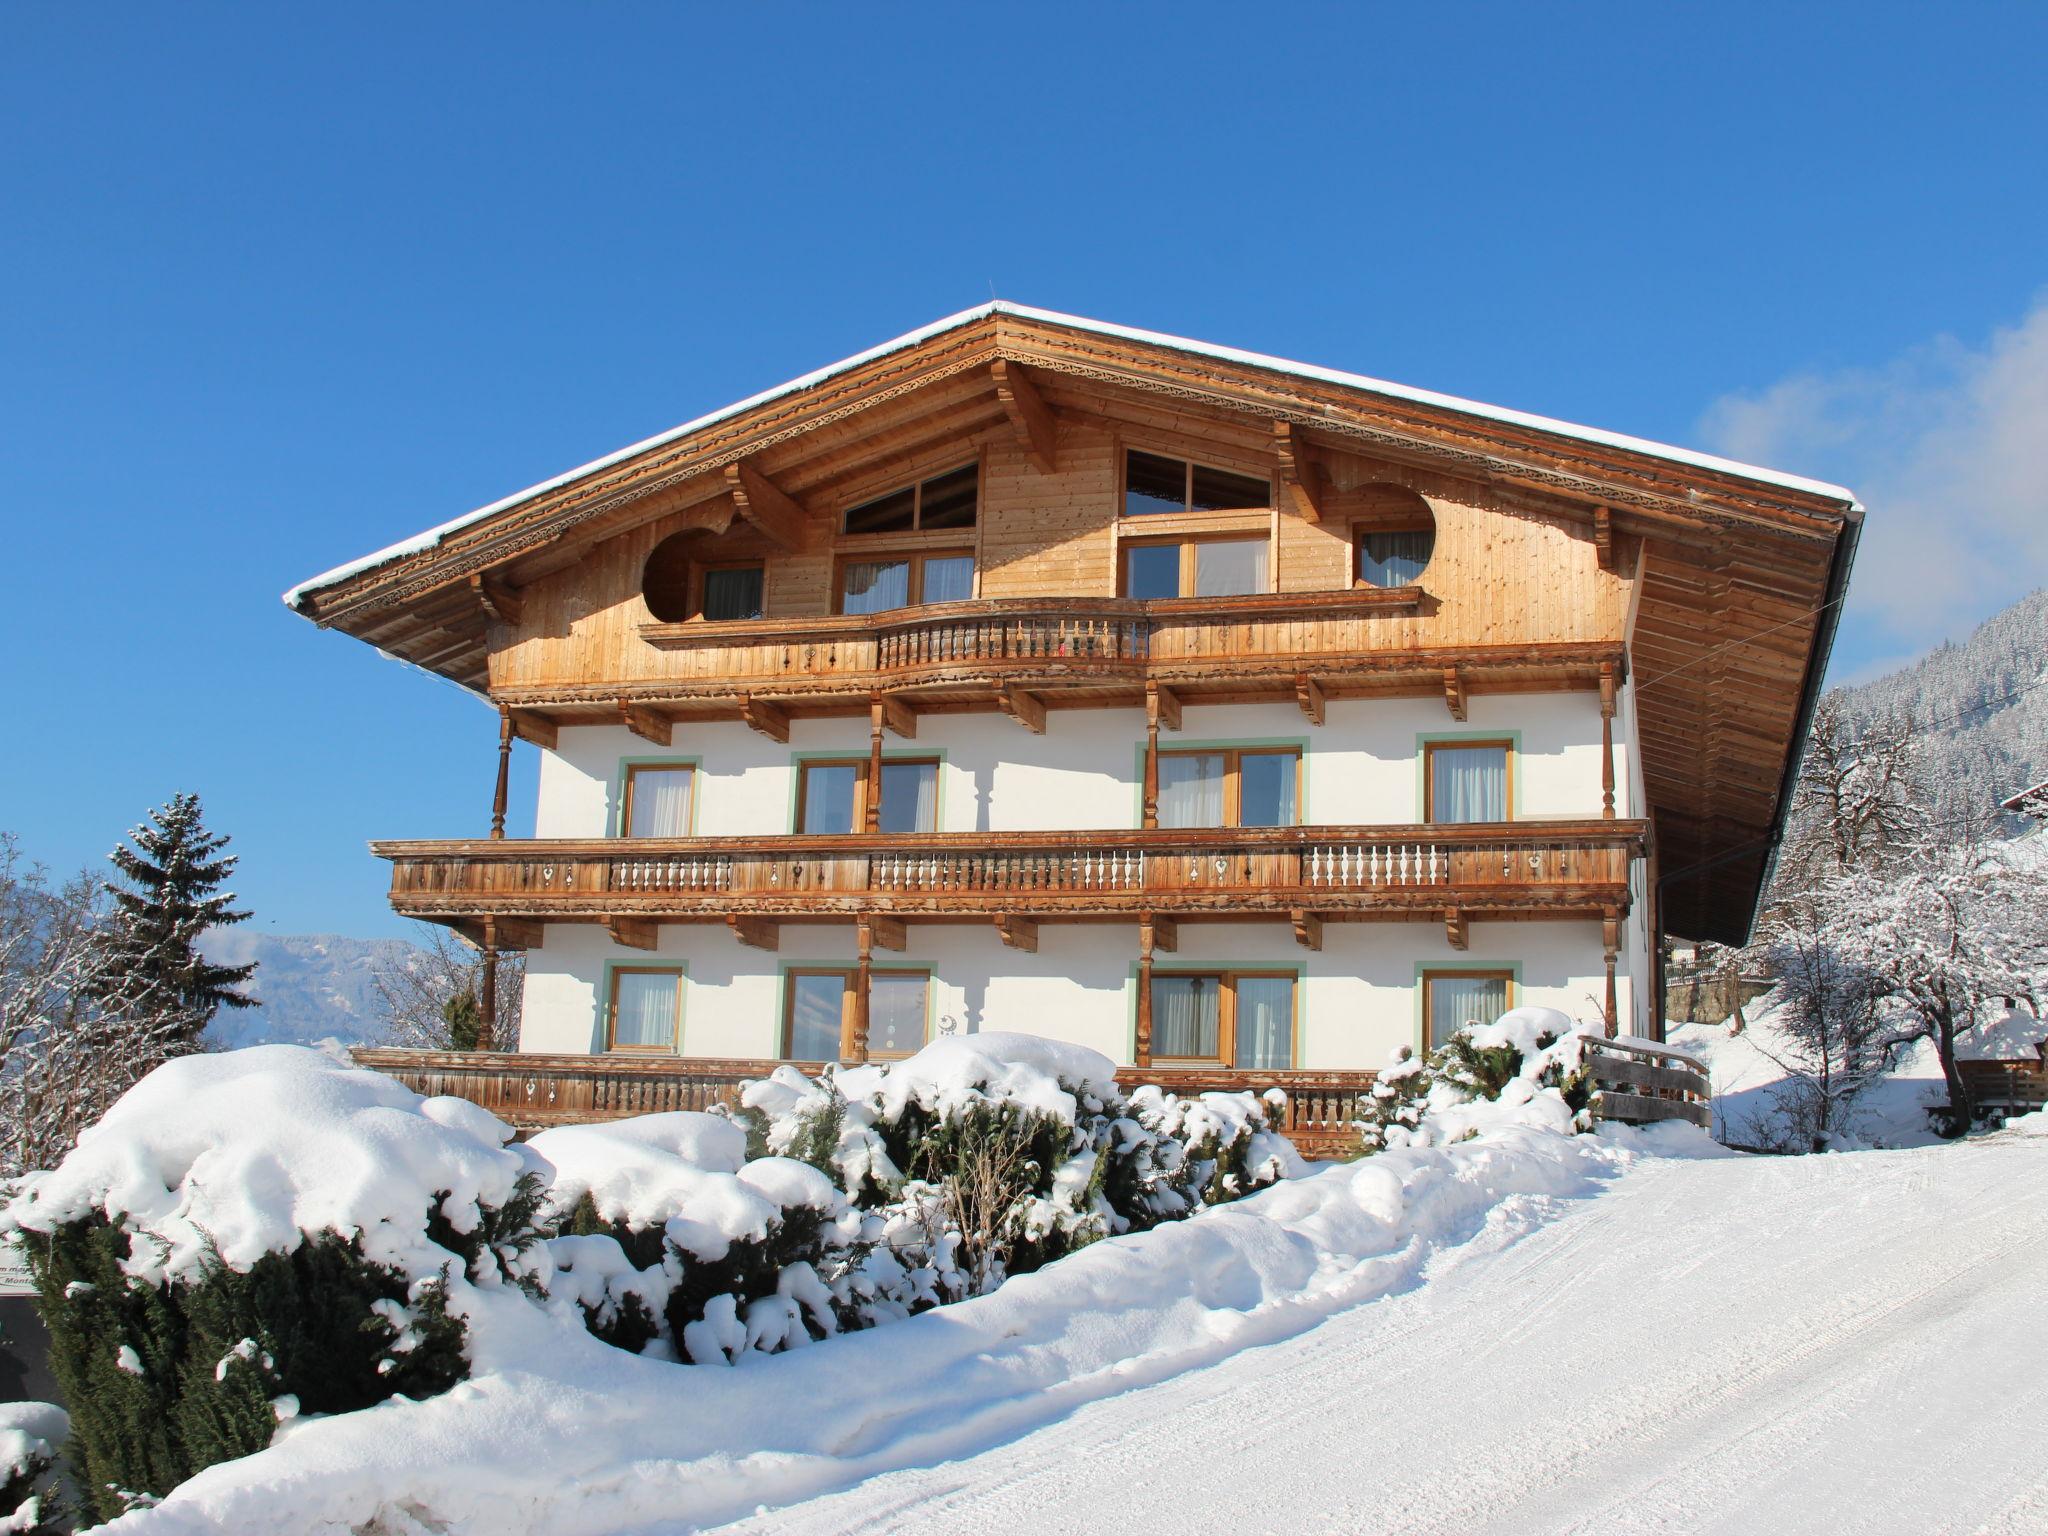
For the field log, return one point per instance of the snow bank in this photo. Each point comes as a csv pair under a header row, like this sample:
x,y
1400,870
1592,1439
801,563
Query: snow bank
x,y
251,1150
558,1433
31,1437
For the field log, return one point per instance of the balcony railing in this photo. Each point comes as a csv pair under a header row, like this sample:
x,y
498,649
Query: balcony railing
x,y
1565,867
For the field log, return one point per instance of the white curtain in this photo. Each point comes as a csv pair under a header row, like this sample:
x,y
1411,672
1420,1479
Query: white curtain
x,y
1184,1016
1468,784
896,1012
910,797
645,1013
1455,1001
816,1004
1191,789
870,586
828,796
1394,559
661,803
1265,1022
1230,568
949,580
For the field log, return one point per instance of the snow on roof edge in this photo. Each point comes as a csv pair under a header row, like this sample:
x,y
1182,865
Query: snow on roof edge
x,y
433,536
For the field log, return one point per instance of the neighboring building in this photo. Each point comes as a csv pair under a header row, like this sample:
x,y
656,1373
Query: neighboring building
x,y
1237,718
2030,803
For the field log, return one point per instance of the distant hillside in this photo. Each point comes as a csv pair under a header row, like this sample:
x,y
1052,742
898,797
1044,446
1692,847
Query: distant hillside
x,y
1982,707
312,986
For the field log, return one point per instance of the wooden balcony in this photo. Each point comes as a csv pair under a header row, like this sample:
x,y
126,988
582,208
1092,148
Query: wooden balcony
x,y
1472,871
1062,652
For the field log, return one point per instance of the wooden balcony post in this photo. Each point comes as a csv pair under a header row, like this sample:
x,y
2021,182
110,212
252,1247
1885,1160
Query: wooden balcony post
x,y
1162,707
1610,940
1142,1049
856,1045
874,794
498,799
1607,739
487,1005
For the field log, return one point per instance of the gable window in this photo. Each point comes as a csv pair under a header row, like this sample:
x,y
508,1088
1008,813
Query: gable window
x,y
1243,1019
903,581
1467,781
1451,999
1195,568
818,1013
645,1010
951,500
1154,483
657,800
1394,536
734,591
1230,787
832,795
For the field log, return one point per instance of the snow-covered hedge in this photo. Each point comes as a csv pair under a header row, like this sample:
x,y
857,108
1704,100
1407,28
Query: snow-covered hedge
x,y
1526,1068
30,1434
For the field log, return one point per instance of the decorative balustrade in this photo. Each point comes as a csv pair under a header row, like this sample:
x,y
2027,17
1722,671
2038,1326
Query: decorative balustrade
x,y
1570,866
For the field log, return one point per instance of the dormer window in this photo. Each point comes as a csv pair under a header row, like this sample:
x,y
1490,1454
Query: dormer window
x,y
951,500
1154,483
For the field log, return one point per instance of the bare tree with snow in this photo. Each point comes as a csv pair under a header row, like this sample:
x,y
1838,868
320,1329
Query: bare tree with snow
x,y
434,1001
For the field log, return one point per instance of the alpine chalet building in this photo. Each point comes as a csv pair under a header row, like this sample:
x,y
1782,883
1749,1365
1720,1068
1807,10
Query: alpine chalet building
x,y
1240,719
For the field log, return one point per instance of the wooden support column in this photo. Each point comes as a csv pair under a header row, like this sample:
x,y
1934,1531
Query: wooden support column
x,y
855,1047
501,795
1162,707
1142,1048
1610,939
487,1005
1607,739
873,797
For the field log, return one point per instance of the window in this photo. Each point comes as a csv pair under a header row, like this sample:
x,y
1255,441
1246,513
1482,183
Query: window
x,y
901,581
1242,1018
950,500
1195,568
1466,781
1453,999
657,800
733,591
832,796
1154,483
819,1006
1230,787
1394,559
645,1011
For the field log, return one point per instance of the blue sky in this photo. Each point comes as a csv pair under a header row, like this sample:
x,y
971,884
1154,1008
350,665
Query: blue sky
x,y
285,284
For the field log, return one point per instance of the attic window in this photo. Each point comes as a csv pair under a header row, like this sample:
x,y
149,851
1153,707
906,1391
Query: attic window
x,y
1154,483
945,501
1395,539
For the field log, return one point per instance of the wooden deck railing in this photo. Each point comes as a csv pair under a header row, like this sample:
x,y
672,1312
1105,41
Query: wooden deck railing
x,y
1577,866
1641,1083
2007,1087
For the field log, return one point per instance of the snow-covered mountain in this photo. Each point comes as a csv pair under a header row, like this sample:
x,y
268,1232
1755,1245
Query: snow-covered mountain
x,y
1981,707
312,986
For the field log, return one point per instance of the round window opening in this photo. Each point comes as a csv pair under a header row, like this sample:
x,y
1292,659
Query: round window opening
x,y
1395,539
665,579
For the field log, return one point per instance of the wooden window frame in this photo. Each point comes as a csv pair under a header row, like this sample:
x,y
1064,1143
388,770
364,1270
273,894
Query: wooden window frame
x,y
1187,486
1233,770
1430,975
700,569
916,489
611,1010
633,771
1429,752
1188,543
861,786
915,558
849,976
1227,978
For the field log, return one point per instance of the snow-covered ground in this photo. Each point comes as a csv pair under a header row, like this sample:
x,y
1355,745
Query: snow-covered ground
x,y
1847,1343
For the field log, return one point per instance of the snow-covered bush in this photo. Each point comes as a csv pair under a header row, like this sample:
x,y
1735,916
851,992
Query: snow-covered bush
x,y
30,1435
257,1234
1527,1067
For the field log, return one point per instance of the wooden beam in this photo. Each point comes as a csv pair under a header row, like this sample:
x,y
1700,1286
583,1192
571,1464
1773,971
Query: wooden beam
x,y
1019,932
633,932
1030,417
1158,932
501,932
538,729
498,598
755,932
1308,928
1026,708
767,506
504,782
899,714
1299,471
771,720
651,724
872,815
1607,739
1455,933
886,932
1454,692
1308,693
1162,706
1610,940
1603,537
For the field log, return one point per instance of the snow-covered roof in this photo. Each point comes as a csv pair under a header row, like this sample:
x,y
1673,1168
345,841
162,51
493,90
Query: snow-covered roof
x,y
2037,794
433,536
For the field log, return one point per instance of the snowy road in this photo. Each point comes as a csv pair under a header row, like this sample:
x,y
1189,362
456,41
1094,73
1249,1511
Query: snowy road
x,y
1842,1344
